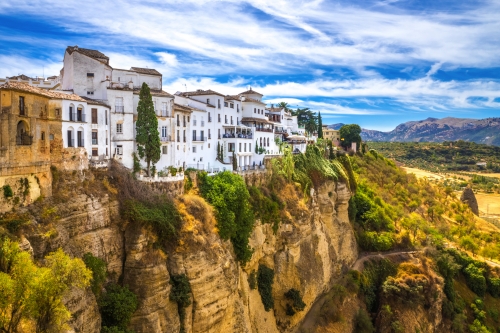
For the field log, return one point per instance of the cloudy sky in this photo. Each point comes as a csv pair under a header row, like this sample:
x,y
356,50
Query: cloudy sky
x,y
375,63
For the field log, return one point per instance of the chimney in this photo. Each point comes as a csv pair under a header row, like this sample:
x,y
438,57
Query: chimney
x,y
131,84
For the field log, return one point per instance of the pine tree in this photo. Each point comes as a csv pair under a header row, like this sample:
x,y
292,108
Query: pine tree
x,y
320,126
148,136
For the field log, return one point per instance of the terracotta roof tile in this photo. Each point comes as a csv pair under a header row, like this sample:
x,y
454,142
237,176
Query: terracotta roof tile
x,y
182,108
201,92
95,102
88,52
249,92
21,86
148,71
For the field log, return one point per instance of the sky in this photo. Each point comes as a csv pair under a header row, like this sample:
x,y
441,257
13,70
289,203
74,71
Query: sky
x,y
374,63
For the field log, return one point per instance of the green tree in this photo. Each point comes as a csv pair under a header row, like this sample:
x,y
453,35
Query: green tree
x,y
148,136
32,295
284,105
117,306
98,268
349,134
320,126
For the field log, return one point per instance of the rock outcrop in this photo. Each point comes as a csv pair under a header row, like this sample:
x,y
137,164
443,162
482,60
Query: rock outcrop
x,y
469,198
308,252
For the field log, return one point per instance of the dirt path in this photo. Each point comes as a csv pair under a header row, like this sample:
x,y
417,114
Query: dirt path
x,y
397,256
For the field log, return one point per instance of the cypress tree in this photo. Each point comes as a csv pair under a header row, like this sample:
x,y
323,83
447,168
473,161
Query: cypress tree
x,y
218,150
320,126
148,136
235,162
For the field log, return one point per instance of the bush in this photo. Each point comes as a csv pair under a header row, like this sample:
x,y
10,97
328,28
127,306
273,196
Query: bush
x,y
7,191
265,277
494,286
181,294
363,323
252,280
475,279
297,302
228,193
98,268
117,306
373,241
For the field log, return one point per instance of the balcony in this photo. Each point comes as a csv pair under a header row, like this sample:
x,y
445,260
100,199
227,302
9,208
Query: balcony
x,y
24,140
165,113
167,138
119,108
199,138
78,117
264,129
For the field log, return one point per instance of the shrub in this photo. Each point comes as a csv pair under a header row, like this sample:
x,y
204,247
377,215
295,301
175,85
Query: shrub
x,y
265,277
98,268
494,286
362,322
475,279
117,305
252,280
7,191
180,293
373,241
297,302
228,193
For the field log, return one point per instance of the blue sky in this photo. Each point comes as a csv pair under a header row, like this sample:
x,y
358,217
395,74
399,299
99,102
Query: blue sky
x,y
375,63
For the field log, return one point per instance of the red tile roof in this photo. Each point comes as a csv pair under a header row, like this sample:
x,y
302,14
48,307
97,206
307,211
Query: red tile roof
x,y
148,71
22,86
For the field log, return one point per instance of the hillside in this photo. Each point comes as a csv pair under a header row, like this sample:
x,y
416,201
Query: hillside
x,y
486,131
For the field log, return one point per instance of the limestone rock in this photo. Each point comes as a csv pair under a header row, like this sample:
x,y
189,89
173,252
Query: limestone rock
x,y
469,198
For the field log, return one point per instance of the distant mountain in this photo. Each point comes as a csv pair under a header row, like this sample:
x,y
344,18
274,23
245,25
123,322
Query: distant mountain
x,y
485,131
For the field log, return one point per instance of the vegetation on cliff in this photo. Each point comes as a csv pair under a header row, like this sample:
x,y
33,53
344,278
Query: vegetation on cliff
x,y
31,295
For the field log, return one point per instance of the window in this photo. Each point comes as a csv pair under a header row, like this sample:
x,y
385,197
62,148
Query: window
x,y
225,104
194,135
95,152
202,134
219,117
106,116
209,117
231,120
71,115
51,137
208,100
164,131
70,138
43,136
79,139
239,148
231,105
245,147
119,128
178,121
218,103
164,150
119,150
230,147
194,149
94,116
237,108
80,116
90,92
225,118
90,74
119,104
164,109
58,112
219,133
254,110
209,135
178,138
249,147
94,137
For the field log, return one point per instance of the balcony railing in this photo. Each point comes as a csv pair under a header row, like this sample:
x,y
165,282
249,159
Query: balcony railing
x,y
264,129
119,108
199,138
79,117
238,136
167,138
24,140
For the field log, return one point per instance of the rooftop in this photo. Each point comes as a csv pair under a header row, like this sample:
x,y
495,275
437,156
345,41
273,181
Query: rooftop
x,y
148,71
88,52
95,102
250,91
184,108
200,92
21,86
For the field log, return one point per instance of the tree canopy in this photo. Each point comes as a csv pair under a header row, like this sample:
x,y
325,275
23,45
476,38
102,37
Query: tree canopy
x,y
349,134
148,136
320,126
31,296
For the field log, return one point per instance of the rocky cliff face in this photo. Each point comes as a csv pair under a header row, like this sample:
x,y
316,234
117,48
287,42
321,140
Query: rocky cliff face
x,y
307,253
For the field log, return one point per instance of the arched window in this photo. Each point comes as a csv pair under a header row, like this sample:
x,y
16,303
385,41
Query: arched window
x,y
71,113
70,137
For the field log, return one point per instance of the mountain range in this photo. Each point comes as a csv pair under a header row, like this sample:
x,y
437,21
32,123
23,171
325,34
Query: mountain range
x,y
486,131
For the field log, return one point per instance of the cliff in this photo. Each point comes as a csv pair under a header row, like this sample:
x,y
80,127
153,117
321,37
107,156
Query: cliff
x,y
308,252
